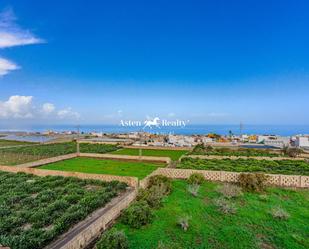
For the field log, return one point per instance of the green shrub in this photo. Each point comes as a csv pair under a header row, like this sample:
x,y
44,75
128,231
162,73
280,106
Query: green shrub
x,y
163,181
252,182
285,167
137,215
291,151
225,206
183,222
153,196
113,239
193,189
279,213
196,178
229,190
199,148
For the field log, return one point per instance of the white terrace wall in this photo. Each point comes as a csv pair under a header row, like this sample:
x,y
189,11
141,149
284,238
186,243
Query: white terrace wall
x,y
224,176
157,147
131,181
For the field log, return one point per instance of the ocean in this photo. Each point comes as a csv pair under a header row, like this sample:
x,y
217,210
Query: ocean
x,y
283,130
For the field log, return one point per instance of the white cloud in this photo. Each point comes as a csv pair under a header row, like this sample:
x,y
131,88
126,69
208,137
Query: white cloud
x,y
171,115
6,66
67,113
48,108
22,107
17,107
11,34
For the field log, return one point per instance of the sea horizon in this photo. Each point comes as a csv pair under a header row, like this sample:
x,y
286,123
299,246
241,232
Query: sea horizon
x,y
194,129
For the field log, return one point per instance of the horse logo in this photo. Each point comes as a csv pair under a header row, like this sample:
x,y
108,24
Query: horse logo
x,y
152,123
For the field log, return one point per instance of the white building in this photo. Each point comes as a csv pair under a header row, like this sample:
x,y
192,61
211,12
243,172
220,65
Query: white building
x,y
302,141
275,141
181,141
207,140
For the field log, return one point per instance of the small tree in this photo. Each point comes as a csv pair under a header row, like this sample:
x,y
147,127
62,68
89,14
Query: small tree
x,y
291,151
252,182
137,215
162,181
113,239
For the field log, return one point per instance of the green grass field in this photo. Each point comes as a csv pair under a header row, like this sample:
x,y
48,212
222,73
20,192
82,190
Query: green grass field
x,y
173,154
252,226
103,166
7,143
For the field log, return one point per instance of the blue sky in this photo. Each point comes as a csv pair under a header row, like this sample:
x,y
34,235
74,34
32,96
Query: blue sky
x,y
212,62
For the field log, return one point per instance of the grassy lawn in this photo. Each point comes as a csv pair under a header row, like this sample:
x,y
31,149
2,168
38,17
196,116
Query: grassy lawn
x,y
288,167
173,154
35,210
103,166
252,226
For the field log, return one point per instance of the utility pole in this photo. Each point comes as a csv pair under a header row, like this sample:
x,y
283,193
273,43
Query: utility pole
x,y
77,140
140,146
240,129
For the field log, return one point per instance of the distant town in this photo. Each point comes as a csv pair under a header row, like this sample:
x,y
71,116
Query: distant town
x,y
166,140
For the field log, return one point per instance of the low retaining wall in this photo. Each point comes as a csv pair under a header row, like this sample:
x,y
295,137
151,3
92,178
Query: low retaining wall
x,y
131,181
245,157
157,147
85,232
47,161
128,158
224,176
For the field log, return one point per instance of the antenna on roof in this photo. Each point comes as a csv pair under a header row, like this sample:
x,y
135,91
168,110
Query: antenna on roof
x,y
241,126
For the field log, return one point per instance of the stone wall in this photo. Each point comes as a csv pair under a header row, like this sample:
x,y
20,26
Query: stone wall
x,y
224,176
131,181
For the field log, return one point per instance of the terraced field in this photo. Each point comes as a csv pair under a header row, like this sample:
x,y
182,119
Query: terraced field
x,y
35,210
289,167
18,155
103,166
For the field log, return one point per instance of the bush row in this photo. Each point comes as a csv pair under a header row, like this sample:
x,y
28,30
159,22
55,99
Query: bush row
x,y
247,165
